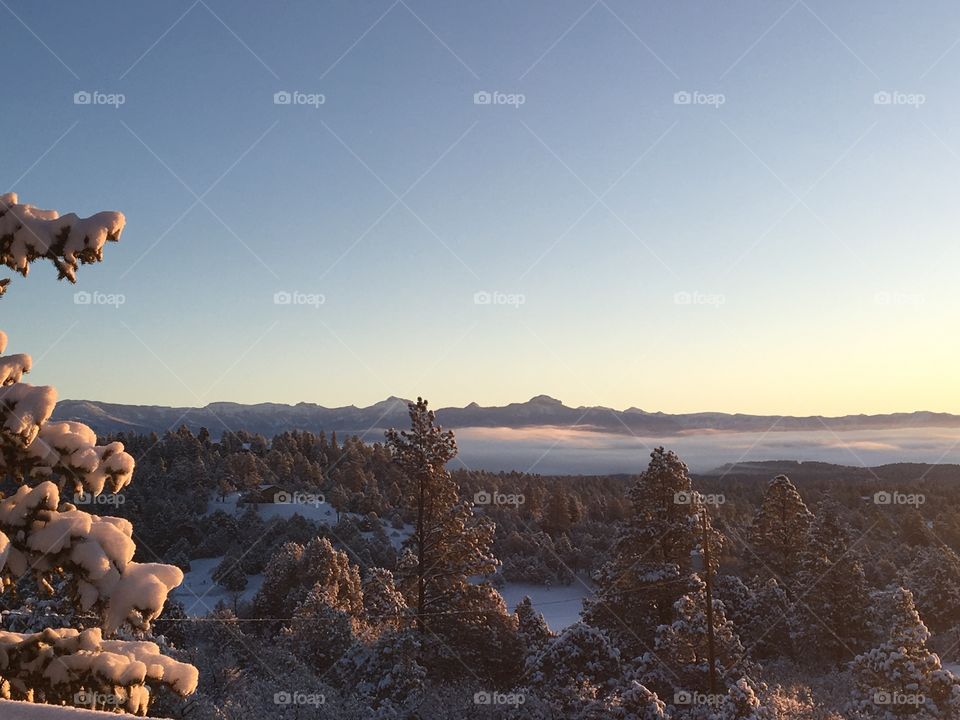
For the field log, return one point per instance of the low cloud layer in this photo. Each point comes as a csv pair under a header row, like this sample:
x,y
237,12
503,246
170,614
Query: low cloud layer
x,y
552,450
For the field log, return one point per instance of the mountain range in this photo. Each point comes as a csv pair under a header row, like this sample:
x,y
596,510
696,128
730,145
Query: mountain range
x,y
272,418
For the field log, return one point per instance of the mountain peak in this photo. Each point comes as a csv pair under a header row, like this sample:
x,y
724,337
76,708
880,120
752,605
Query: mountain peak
x,y
544,400
390,402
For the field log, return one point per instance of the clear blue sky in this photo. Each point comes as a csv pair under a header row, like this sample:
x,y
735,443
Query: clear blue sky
x,y
813,230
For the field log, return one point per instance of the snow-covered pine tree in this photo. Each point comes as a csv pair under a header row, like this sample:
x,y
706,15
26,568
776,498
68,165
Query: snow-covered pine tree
x,y
386,673
532,630
448,544
901,677
326,621
832,603
88,557
282,588
384,605
780,528
320,632
652,563
678,668
934,579
633,701
760,611
577,668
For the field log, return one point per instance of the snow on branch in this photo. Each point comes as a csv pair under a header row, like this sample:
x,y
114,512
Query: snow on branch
x,y
88,558
28,233
74,664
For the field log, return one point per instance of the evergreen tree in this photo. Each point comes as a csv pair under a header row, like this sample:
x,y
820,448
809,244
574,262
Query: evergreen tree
x,y
934,579
532,630
780,528
652,564
575,669
448,546
901,677
320,632
84,560
384,605
679,663
633,701
832,605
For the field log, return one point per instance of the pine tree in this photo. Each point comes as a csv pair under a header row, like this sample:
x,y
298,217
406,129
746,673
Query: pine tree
x,y
652,564
532,630
633,701
383,604
934,579
780,528
387,672
578,667
320,632
334,578
679,661
448,545
85,559
832,604
556,517
901,677
279,594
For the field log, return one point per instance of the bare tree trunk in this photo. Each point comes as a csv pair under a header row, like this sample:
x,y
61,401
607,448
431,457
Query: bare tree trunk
x,y
421,585
711,651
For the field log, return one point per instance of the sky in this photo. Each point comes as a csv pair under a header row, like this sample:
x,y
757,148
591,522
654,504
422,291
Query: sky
x,y
743,207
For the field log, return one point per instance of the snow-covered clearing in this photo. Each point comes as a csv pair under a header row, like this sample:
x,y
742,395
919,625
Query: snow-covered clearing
x,y
200,593
12,710
560,604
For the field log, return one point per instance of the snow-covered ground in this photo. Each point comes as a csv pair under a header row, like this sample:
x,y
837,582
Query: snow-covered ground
x,y
199,593
559,604
310,508
10,710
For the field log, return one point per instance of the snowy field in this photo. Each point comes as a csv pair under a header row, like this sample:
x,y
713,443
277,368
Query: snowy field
x,y
559,604
199,593
10,710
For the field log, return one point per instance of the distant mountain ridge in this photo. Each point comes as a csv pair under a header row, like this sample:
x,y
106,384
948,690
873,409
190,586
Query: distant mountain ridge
x,y
542,410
